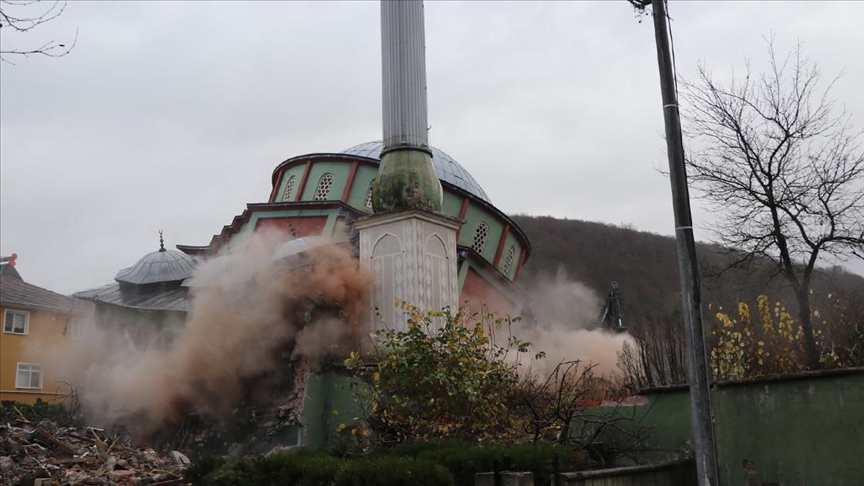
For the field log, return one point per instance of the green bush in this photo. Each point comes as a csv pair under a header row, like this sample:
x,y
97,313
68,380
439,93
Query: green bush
x,y
387,470
443,376
423,463
200,469
301,467
464,460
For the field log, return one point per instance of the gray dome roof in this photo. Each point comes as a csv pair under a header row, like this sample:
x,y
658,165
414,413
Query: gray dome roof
x,y
158,266
296,246
446,167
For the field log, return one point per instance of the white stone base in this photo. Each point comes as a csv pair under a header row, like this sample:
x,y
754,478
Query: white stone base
x,y
412,255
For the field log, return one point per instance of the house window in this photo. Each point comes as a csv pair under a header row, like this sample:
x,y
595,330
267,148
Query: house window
x,y
289,188
16,322
369,195
508,262
324,185
78,329
29,376
480,235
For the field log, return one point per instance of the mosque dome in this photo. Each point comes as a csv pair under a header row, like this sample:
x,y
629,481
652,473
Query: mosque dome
x,y
159,266
296,246
446,167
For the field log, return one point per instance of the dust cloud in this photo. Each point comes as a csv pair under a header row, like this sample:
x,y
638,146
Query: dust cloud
x,y
566,326
247,314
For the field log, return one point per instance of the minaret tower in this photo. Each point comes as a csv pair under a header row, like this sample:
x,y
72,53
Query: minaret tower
x,y
408,244
406,178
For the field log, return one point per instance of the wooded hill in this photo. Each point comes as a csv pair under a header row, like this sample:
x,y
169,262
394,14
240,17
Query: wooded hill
x,y
645,265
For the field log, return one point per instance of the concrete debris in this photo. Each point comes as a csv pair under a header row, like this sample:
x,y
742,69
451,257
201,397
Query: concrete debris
x,y
48,455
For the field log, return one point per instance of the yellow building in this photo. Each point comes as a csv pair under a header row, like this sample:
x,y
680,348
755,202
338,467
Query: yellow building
x,y
33,316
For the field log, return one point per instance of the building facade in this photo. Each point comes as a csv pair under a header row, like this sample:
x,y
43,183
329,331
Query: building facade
x,y
324,194
34,317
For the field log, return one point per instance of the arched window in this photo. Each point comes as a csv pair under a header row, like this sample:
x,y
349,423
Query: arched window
x,y
508,262
289,188
480,235
369,195
324,185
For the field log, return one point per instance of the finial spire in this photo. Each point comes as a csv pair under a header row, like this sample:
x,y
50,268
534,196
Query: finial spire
x,y
161,242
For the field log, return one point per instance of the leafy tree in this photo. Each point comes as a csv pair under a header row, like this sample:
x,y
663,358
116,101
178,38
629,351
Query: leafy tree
x,y
782,167
444,376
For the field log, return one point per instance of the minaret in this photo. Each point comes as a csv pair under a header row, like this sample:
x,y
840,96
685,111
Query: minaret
x,y
408,244
406,177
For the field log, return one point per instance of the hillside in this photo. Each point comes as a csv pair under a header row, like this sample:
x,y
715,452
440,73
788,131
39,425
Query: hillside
x,y
646,268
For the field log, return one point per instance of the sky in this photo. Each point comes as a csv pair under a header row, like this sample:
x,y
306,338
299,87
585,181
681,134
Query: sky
x,y
172,115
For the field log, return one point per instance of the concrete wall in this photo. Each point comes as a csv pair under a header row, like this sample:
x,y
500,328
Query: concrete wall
x,y
678,473
329,403
803,429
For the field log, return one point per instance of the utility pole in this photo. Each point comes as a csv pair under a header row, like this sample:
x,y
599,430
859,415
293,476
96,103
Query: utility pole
x,y
700,392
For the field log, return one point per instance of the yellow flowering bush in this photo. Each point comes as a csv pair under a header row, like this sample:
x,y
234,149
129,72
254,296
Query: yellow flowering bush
x,y
743,345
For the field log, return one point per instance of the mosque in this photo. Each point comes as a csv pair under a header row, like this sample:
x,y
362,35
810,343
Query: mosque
x,y
322,195
414,216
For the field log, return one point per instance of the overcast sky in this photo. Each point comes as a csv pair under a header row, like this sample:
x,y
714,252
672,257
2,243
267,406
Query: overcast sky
x,y
172,115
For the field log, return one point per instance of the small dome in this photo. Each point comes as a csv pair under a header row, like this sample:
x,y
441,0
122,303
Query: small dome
x,y
295,247
446,167
159,266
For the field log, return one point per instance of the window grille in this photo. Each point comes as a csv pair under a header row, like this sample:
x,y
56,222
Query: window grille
x,y
508,262
289,188
324,185
480,235
369,195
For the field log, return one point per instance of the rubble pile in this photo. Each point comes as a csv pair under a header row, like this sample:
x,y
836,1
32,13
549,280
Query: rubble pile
x,y
44,454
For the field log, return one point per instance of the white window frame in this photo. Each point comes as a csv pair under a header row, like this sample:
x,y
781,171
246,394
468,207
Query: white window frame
x,y
26,315
78,328
18,370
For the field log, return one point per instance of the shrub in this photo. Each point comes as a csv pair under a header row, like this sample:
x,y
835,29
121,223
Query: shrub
x,y
200,469
301,467
444,376
9,411
387,470
464,461
423,463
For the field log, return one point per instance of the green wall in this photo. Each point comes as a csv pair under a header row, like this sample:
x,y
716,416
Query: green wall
x,y
297,172
340,171
656,430
802,432
329,402
510,241
796,430
357,196
452,204
473,217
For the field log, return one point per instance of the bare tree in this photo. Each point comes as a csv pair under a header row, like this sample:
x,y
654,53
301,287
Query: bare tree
x,y
782,166
22,16
656,354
